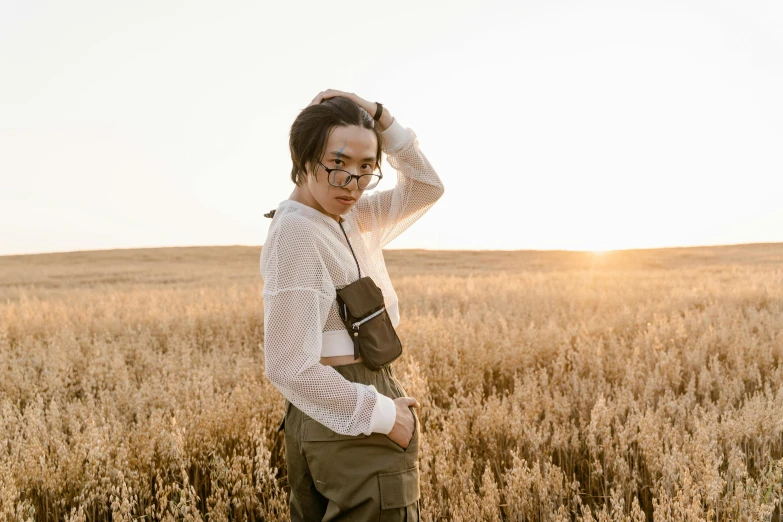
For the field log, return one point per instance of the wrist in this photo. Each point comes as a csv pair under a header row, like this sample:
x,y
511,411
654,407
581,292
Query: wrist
x,y
394,137
384,415
386,119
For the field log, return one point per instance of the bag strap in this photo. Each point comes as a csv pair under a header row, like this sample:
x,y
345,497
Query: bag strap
x,y
355,339
351,247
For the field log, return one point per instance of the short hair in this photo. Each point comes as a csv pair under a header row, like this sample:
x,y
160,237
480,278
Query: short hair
x,y
311,128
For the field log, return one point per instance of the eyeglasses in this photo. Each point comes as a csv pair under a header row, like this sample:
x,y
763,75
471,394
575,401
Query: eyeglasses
x,y
341,178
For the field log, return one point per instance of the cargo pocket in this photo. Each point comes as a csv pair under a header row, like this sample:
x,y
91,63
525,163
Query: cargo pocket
x,y
399,488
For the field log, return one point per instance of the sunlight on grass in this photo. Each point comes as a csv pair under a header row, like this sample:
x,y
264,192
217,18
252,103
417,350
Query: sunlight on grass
x,y
595,385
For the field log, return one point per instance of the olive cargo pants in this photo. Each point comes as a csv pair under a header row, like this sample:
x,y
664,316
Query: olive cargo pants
x,y
344,477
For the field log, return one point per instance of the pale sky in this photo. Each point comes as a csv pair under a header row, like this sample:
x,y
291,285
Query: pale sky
x,y
553,124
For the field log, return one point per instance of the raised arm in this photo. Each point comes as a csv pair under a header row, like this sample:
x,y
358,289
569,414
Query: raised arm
x,y
386,214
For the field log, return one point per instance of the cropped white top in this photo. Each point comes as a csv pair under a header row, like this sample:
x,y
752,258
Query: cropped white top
x,y
305,257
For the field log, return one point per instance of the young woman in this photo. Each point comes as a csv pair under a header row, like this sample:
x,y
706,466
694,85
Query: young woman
x,y
350,433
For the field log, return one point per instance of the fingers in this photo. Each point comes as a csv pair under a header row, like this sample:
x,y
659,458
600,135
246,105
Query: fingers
x,y
329,93
412,402
407,401
323,95
318,99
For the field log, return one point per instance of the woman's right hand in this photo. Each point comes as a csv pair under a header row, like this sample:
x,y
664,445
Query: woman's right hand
x,y
386,117
402,431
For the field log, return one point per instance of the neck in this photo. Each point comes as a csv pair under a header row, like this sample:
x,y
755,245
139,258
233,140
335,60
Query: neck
x,y
301,194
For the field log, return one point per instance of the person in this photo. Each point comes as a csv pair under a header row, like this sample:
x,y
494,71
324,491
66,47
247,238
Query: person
x,y
351,434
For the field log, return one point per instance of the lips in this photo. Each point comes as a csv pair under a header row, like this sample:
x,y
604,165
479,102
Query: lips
x,y
346,199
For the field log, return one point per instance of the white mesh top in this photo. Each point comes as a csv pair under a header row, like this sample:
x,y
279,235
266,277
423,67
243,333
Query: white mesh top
x,y
305,257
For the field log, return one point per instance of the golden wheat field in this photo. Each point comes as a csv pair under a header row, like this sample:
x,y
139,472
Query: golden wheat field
x,y
555,386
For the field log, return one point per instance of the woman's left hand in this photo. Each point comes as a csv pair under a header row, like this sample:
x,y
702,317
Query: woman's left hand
x,y
368,106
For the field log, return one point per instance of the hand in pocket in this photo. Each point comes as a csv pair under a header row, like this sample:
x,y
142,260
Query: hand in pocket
x,y
402,431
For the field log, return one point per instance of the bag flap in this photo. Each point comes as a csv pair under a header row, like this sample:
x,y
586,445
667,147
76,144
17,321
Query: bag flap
x,y
362,297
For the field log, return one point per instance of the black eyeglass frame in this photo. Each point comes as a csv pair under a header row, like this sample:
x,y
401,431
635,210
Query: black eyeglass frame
x,y
351,176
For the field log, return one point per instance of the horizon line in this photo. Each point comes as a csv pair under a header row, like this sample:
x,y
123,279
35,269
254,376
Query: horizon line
x,y
594,251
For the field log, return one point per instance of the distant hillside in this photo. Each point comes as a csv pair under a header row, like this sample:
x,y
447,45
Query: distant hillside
x,y
190,265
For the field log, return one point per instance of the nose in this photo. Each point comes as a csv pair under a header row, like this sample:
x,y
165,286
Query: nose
x,y
351,181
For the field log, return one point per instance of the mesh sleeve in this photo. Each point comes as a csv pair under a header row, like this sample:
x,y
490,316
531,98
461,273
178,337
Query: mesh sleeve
x,y
296,306
385,215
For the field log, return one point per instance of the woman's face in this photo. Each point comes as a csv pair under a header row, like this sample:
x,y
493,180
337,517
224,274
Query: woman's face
x,y
350,148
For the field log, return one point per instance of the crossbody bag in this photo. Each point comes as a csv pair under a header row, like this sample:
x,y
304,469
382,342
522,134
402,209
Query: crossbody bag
x,y
363,312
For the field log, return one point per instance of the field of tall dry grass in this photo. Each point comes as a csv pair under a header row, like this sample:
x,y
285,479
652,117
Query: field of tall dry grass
x,y
555,386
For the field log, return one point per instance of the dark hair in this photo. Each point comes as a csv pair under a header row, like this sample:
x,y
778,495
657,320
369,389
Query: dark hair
x,y
310,132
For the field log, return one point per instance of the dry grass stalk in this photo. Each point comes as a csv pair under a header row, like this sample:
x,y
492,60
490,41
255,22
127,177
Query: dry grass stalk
x,y
555,386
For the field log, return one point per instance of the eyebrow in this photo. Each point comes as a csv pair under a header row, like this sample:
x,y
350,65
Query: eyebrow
x,y
346,156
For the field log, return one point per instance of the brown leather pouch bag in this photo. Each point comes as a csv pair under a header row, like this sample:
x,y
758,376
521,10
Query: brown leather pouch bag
x,y
364,314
